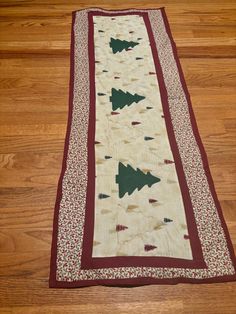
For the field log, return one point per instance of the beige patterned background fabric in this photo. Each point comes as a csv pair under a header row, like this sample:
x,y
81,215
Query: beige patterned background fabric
x,y
145,222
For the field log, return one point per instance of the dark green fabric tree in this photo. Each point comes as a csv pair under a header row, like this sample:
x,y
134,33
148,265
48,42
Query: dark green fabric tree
x,y
120,99
130,179
118,45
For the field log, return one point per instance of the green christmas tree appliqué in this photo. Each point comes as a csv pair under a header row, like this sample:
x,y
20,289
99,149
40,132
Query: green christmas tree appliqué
x,y
118,45
120,99
130,179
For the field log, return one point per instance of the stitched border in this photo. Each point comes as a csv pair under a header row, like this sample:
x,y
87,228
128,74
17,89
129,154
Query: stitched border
x,y
66,264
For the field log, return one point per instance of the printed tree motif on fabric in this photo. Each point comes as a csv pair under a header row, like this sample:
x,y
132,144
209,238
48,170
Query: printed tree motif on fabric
x,y
130,179
148,247
118,45
120,99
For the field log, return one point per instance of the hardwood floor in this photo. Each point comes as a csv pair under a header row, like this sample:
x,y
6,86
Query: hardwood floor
x,y
34,58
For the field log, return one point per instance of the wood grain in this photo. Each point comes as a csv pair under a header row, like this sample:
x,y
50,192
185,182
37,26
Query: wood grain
x,y
34,60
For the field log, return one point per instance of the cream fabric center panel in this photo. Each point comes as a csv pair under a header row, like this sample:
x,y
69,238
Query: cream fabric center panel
x,y
148,220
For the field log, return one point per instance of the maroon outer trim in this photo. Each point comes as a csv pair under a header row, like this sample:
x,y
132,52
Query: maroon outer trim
x,y
143,280
89,262
53,266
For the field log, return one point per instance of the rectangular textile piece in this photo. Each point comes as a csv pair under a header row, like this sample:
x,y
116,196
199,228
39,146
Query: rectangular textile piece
x,y
136,202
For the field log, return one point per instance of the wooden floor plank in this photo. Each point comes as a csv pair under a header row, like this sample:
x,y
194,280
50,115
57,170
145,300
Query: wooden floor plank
x,y
34,80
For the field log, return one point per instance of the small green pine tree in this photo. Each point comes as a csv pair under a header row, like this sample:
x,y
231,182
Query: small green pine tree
x,y
130,179
120,99
118,45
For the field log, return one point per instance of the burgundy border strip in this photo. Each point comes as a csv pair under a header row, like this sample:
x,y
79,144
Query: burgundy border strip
x,y
53,265
53,283
142,281
89,262
90,198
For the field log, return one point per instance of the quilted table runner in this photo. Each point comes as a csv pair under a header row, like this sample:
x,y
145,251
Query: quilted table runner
x,y
136,203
